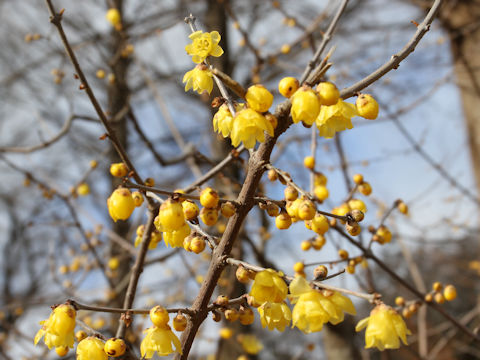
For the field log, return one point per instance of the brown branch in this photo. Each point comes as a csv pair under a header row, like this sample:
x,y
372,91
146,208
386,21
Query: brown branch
x,y
216,169
246,201
138,267
24,150
368,297
230,83
397,58
79,306
56,19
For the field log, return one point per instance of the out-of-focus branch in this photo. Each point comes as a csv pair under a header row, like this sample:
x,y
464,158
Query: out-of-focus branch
x,y
216,169
138,267
397,58
326,38
368,254
56,19
177,136
63,131
439,168
71,210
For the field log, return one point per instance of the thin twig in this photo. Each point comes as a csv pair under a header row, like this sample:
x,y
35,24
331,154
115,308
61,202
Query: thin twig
x,y
138,267
56,19
368,297
396,59
368,254
177,136
435,165
24,150
216,169
326,38
80,306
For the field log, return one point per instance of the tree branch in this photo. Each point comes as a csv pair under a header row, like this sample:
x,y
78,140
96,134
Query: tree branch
x,y
396,59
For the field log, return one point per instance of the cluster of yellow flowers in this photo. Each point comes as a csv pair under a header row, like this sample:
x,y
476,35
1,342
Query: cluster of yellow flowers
x,y
171,222
313,308
58,328
269,292
324,107
203,45
155,239
249,123
160,337
58,331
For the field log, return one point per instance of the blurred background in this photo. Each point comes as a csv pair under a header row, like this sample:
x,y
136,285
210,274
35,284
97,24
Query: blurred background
x,y
423,149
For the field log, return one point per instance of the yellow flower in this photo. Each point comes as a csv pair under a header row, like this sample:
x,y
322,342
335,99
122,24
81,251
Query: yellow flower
x,y
91,348
113,16
120,204
83,189
175,238
223,119
58,328
275,315
200,79
259,98
226,333
335,118
248,126
170,216
159,340
305,106
250,344
384,328
203,45
367,106
269,286
156,238
356,204
314,308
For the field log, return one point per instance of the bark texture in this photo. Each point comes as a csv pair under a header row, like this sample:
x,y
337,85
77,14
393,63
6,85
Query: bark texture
x,y
461,19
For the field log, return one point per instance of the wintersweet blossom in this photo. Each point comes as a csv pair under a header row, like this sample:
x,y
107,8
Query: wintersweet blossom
x,y
159,339
313,308
335,118
275,315
259,98
384,328
203,45
199,78
250,344
58,328
269,286
248,127
91,348
305,106
175,238
223,119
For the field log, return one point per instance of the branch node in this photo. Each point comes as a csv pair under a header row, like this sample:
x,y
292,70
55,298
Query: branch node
x,y
57,18
190,19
